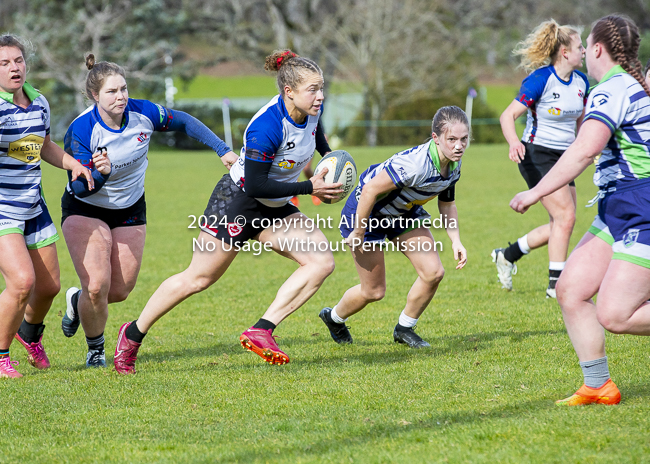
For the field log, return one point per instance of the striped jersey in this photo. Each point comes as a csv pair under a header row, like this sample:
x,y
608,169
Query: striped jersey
x,y
277,139
553,105
22,133
127,148
620,102
416,173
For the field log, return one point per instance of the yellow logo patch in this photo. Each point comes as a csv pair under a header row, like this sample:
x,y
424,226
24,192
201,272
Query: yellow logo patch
x,y
287,164
27,149
418,202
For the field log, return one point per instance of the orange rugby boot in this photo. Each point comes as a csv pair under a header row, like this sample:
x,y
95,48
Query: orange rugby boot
x,y
607,394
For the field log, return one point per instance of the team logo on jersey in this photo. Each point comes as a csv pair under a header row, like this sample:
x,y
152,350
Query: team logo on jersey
x,y
234,229
526,101
142,137
599,99
27,149
554,111
581,94
314,133
291,145
556,95
162,113
8,122
630,238
287,164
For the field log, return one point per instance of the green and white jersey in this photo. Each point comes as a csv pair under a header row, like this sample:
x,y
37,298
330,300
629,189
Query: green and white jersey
x,y
620,102
22,133
416,174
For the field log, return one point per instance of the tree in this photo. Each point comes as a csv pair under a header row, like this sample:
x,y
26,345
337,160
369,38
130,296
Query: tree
x,y
138,35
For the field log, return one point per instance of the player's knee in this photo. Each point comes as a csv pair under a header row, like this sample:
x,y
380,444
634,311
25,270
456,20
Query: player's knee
x,y
97,293
610,322
47,291
199,284
118,295
435,276
374,293
21,286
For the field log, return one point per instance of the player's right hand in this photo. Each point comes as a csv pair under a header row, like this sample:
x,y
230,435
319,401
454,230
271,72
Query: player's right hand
x,y
517,152
324,190
101,161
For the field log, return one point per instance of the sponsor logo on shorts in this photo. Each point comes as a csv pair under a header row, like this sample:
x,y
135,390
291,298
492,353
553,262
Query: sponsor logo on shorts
x,y
630,238
234,229
554,111
287,164
6,223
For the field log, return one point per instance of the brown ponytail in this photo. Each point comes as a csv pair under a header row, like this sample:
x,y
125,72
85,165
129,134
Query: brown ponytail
x,y
291,68
620,38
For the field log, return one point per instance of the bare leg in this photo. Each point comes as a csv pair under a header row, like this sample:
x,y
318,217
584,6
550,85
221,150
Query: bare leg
x,y
204,270
126,258
17,269
372,274
561,208
47,283
579,282
315,267
90,243
429,269
538,237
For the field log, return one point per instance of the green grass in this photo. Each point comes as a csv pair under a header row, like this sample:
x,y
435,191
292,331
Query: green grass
x,y
483,392
243,86
500,96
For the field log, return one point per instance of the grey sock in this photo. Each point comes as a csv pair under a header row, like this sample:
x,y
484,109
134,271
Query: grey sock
x,y
596,372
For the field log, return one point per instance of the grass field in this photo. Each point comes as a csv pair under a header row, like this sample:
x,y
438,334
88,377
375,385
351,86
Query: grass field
x,y
483,392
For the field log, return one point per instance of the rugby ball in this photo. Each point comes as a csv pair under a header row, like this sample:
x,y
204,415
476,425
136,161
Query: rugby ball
x,y
340,168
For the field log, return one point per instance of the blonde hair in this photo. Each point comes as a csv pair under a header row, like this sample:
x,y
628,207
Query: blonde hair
x,y
542,45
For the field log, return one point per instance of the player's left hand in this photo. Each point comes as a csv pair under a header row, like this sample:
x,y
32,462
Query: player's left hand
x,y
229,159
523,200
460,254
79,170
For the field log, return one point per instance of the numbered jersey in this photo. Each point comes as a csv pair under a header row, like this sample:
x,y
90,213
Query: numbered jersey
x,y
621,103
416,174
22,133
127,148
273,137
554,106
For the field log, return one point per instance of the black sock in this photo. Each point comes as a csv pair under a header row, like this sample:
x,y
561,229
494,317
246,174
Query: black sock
x,y
31,333
264,324
133,333
96,343
553,276
513,252
401,328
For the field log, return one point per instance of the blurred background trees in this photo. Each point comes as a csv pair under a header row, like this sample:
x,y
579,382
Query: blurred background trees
x,y
398,60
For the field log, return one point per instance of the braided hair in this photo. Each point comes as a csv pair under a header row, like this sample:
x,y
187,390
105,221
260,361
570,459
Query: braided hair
x,y
291,68
620,37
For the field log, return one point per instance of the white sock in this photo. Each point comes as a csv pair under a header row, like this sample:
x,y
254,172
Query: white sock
x,y
406,321
336,318
556,265
523,244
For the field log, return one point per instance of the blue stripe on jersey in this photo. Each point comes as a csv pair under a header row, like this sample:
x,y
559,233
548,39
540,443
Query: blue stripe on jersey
x,y
18,186
638,96
393,176
17,204
28,130
19,167
602,117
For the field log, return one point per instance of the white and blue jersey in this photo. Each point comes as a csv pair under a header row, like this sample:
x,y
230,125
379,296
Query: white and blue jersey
x,y
127,148
22,133
554,106
620,102
416,174
275,138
